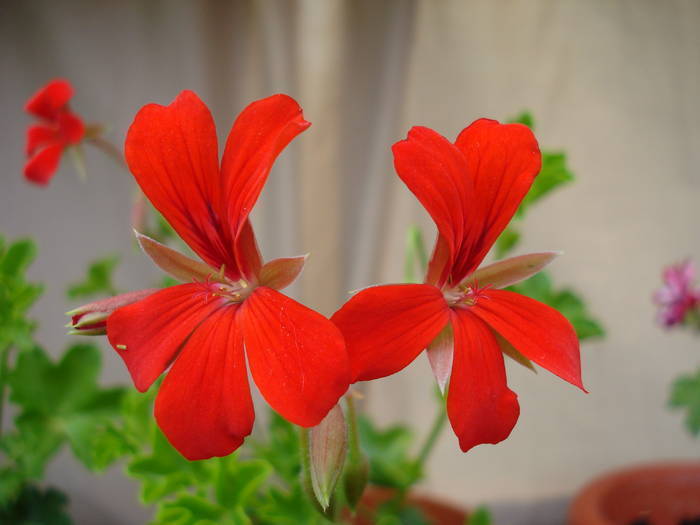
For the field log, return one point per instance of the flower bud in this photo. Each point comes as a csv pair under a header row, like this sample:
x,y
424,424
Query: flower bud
x,y
355,480
328,446
91,319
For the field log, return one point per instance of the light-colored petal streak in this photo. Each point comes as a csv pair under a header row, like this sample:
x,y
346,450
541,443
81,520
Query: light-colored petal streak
x,y
440,355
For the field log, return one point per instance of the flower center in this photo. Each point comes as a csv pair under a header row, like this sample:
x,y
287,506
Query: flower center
x,y
465,295
229,291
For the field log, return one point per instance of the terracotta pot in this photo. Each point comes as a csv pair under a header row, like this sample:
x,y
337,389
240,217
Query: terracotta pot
x,y
437,512
656,494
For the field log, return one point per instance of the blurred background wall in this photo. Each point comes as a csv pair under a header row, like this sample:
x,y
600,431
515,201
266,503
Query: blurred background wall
x,y
615,84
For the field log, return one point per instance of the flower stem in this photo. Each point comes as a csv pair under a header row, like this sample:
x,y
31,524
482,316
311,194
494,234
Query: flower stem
x,y
354,452
4,366
432,437
107,147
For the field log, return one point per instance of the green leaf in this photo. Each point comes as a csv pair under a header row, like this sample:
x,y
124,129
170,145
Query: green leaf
x,y
685,395
288,507
35,506
507,241
480,516
17,258
524,118
389,456
553,174
188,509
280,448
415,255
16,294
62,401
565,300
237,481
98,279
164,471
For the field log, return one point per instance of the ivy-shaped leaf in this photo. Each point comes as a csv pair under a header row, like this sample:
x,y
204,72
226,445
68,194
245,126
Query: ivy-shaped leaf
x,y
237,481
685,395
60,401
163,471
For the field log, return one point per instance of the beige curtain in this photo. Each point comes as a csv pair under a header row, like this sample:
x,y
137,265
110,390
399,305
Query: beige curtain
x,y
615,84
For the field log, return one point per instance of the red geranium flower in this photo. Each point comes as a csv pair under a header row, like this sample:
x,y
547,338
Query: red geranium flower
x,y
471,189
229,309
59,128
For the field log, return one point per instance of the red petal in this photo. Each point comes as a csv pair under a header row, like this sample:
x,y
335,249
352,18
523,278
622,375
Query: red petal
x,y
260,133
204,406
434,170
538,331
39,135
296,356
72,127
41,167
149,334
248,255
481,407
502,162
172,152
49,100
386,327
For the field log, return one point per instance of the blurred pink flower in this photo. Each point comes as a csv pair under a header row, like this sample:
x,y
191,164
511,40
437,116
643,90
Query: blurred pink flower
x,y
677,296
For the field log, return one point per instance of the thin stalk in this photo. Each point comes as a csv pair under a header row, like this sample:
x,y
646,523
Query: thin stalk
x,y
110,149
431,439
354,452
4,368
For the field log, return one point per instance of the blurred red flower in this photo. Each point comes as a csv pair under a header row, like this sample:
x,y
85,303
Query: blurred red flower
x,y
471,189
58,129
229,309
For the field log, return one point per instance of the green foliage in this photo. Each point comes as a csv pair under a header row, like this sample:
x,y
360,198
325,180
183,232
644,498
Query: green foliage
x,y
416,256
60,403
388,452
34,506
97,281
564,300
16,294
554,173
685,395
480,516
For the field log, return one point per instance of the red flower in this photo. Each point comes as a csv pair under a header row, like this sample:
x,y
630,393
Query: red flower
x,y
471,189
230,309
59,128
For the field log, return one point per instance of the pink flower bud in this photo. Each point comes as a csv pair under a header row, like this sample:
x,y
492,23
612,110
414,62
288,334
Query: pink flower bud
x,y
91,319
